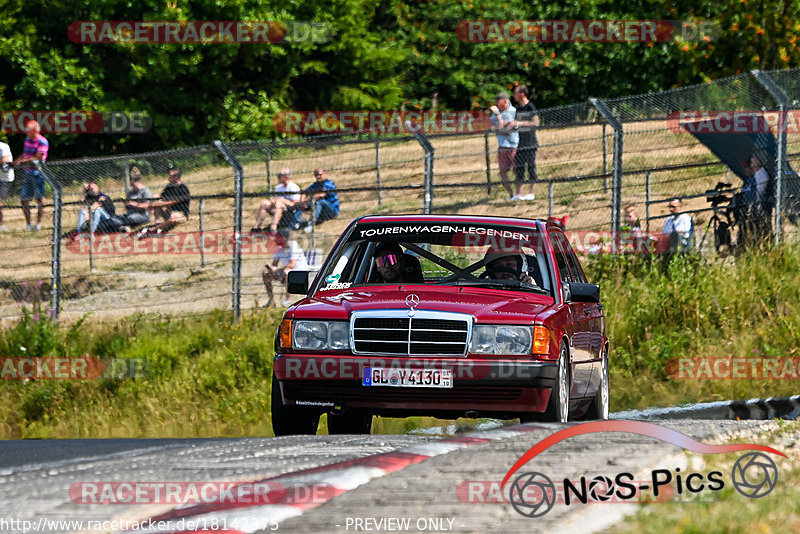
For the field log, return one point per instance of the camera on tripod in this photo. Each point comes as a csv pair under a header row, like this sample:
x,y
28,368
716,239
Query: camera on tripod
x,y
722,193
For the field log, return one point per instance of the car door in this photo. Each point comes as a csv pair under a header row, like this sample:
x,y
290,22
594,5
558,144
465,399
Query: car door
x,y
581,324
593,314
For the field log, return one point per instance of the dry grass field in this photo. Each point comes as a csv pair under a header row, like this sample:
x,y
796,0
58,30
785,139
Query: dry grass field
x,y
114,284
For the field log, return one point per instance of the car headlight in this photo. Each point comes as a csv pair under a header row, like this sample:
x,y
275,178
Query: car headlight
x,y
321,335
501,339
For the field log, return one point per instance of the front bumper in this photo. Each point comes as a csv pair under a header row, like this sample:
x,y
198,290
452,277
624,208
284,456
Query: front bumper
x,y
487,386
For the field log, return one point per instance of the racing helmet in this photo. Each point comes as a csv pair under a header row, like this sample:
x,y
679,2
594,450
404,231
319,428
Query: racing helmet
x,y
495,253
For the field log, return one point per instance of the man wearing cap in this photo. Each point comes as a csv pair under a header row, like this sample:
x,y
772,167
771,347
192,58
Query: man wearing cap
x,y
287,195
137,202
35,149
502,118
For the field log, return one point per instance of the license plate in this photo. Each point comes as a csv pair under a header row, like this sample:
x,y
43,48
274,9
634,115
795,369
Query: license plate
x,y
408,378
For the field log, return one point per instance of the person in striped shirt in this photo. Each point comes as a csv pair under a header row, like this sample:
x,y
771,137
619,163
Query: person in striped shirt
x,y
35,149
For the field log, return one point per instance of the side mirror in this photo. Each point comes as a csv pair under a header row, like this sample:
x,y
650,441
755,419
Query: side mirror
x,y
580,292
297,282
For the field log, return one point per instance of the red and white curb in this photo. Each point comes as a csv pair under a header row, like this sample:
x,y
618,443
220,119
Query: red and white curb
x,y
322,483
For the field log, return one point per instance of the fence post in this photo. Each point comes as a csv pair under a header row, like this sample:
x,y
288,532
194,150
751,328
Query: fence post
x,y
378,168
649,193
781,164
55,255
488,163
427,204
90,211
236,275
269,159
616,166
550,199
605,158
202,248
127,177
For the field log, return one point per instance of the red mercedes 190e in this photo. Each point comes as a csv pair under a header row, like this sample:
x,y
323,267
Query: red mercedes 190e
x,y
442,315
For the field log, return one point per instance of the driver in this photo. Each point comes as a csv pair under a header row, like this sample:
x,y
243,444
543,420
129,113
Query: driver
x,y
507,265
390,262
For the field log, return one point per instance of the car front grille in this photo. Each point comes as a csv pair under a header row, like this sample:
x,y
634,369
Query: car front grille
x,y
425,333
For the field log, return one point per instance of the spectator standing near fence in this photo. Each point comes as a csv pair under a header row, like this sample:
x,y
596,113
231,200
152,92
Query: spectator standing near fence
x,y
287,195
527,120
137,202
36,148
678,227
326,201
502,118
172,207
6,178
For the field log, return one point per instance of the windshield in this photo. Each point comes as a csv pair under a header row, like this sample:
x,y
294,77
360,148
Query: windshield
x,y
440,254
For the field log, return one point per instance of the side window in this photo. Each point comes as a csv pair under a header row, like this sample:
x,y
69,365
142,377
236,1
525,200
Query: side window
x,y
561,258
574,264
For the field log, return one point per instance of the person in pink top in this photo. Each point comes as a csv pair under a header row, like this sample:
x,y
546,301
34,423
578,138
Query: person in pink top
x,y
35,149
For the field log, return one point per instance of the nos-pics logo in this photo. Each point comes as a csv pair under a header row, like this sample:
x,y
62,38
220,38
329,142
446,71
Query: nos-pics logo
x,y
533,494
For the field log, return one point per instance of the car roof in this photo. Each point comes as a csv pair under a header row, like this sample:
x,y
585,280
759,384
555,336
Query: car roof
x,y
471,219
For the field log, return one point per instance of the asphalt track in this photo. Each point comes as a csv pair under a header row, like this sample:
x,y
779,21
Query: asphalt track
x,y
379,483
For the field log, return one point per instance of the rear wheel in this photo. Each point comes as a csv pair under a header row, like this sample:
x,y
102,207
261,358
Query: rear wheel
x,y
350,423
289,420
599,407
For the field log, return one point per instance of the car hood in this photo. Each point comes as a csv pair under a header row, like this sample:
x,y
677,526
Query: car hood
x,y
486,305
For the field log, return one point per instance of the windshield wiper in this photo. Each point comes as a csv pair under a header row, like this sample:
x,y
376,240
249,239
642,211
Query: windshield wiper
x,y
505,284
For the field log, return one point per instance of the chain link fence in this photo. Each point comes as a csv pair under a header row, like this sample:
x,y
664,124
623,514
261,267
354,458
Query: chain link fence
x,y
593,160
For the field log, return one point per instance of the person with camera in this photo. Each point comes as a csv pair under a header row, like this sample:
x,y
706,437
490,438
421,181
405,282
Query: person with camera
x,y
6,178
678,228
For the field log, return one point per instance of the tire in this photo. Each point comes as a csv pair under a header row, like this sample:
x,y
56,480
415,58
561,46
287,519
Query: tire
x,y
598,409
350,423
558,405
290,420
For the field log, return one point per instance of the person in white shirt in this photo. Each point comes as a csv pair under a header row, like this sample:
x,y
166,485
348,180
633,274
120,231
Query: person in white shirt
x,y
678,226
289,256
287,195
6,177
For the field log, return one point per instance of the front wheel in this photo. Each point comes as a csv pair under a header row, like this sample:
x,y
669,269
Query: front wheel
x,y
290,420
558,405
599,407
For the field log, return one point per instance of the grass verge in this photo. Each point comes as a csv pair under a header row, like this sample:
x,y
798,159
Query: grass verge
x,y
727,511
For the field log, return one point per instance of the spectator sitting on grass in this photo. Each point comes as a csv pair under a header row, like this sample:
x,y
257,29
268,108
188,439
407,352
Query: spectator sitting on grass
x,y
138,202
287,196
326,201
172,208
101,207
